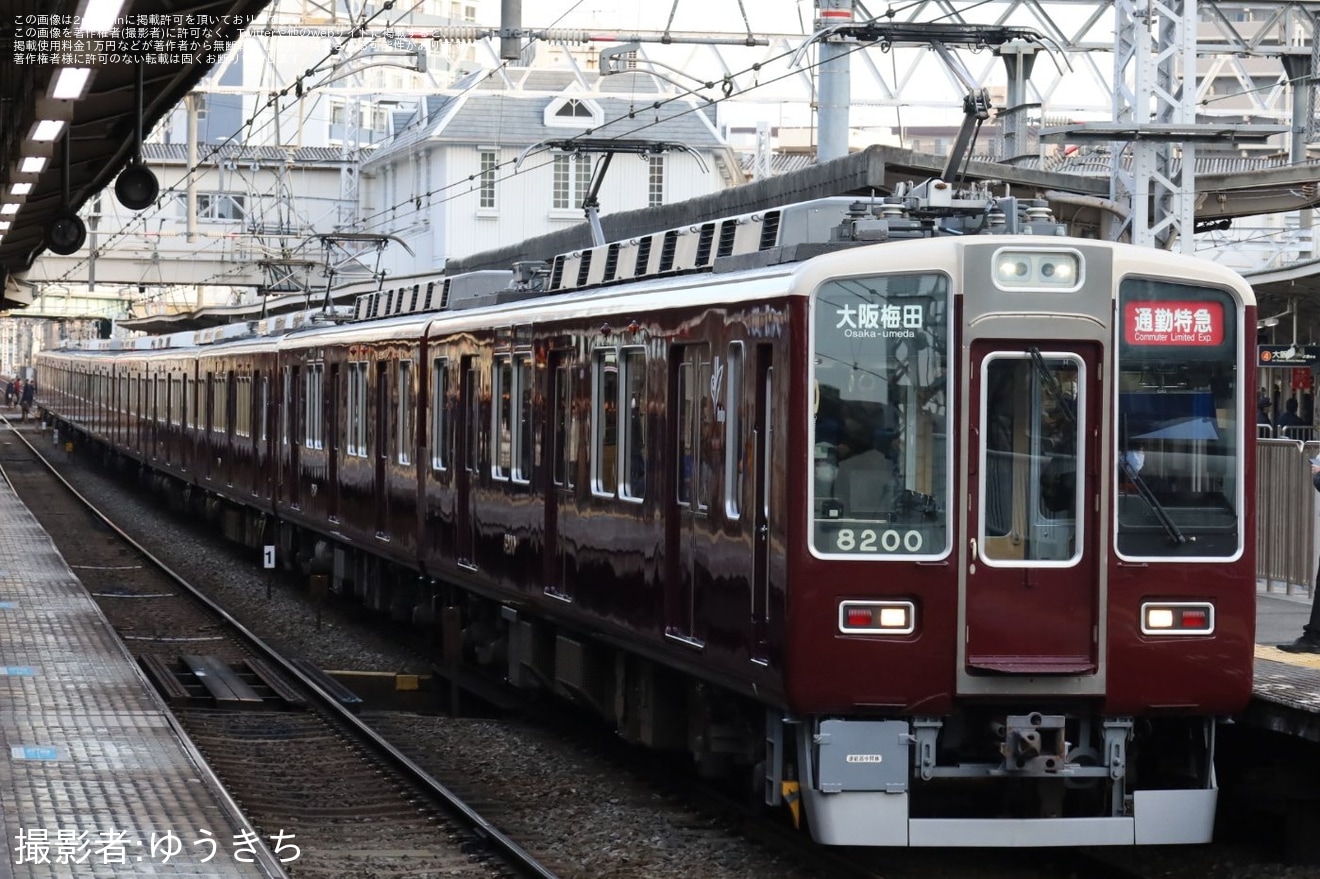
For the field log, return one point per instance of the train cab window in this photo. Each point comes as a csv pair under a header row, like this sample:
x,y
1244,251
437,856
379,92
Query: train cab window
x,y
440,439
524,451
356,428
405,410
880,457
1178,463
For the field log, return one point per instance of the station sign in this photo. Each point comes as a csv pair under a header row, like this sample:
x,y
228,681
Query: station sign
x,y
1287,355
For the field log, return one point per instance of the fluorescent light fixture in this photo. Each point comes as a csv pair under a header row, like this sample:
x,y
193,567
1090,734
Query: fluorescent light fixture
x,y
21,188
70,82
4,225
9,207
47,129
32,165
100,16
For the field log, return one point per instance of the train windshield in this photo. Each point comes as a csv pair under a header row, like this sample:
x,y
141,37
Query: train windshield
x,y
880,427
1179,457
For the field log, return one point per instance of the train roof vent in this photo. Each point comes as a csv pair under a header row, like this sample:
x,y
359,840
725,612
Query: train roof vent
x,y
428,303
728,234
375,306
705,242
475,289
770,229
643,262
668,251
557,272
611,262
584,267
361,307
416,298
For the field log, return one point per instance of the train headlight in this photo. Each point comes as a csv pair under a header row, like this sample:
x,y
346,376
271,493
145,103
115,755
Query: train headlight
x,y
1177,618
877,617
1056,270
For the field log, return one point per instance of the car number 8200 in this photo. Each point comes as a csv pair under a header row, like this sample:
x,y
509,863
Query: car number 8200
x,y
870,540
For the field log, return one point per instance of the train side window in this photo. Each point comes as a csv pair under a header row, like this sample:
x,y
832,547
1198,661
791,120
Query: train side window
x,y
313,406
263,406
440,415
502,432
604,422
356,441
697,440
733,439
524,453
565,428
243,407
405,404
286,395
633,403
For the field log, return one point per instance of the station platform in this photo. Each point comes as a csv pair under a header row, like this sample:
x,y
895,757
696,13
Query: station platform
x,y
1286,685
95,779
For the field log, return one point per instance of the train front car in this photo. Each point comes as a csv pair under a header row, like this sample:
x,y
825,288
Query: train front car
x,y
1028,588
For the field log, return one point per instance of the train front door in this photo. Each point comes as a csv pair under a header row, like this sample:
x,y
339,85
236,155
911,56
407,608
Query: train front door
x,y
1033,577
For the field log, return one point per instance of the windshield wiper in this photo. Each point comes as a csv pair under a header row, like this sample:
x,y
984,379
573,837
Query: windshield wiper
x,y
1161,514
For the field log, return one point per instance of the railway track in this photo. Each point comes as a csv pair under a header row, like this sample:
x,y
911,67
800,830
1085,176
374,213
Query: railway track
x,y
526,780
294,758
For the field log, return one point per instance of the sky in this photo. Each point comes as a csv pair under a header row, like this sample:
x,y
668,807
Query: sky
x,y
701,16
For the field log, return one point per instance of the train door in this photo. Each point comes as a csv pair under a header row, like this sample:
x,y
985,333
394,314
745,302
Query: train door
x,y
381,424
294,402
1033,580
334,439
688,506
762,453
466,474
562,452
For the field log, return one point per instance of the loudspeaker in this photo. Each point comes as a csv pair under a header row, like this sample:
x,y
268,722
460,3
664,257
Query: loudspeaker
x,y
136,187
65,233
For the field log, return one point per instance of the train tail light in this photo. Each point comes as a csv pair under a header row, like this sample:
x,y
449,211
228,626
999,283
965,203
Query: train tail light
x,y
877,617
1177,618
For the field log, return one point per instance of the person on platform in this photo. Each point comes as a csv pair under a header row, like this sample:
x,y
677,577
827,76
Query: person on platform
x,y
1289,418
28,397
1310,640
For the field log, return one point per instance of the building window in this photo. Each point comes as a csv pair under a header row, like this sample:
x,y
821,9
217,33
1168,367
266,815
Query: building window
x,y
572,113
489,161
572,180
218,206
656,191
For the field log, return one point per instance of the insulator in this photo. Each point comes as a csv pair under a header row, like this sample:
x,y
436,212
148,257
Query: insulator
x,y
458,33
562,36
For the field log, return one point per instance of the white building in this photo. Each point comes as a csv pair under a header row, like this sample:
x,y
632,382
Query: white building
x,y
494,163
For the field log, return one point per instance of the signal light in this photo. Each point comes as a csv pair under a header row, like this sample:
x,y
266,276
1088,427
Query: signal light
x,y
1177,618
877,617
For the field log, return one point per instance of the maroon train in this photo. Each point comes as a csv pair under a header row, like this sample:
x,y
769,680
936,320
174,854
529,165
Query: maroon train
x,y
943,532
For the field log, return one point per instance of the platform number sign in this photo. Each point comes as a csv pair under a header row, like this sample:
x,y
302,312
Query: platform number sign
x,y
268,557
